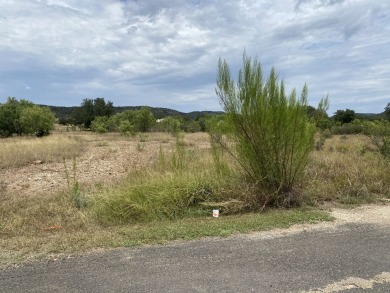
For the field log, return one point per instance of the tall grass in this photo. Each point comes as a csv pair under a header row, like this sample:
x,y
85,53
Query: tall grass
x,y
155,197
75,194
178,186
348,169
24,216
20,151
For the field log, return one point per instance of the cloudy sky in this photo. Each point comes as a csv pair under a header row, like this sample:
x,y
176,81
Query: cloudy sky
x,y
164,53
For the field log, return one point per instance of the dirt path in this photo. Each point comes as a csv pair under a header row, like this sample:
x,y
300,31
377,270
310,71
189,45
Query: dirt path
x,y
378,215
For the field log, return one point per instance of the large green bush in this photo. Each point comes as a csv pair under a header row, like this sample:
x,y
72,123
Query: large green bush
x,y
100,124
38,121
130,121
347,128
24,118
272,132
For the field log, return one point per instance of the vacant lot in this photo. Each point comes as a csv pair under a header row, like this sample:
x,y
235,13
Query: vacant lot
x,y
99,159
41,178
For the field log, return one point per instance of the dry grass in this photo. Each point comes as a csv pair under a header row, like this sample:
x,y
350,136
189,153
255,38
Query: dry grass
x,y
348,170
50,226
20,151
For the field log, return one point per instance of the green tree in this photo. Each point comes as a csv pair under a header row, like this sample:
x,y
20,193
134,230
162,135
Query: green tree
x,y
272,132
23,117
38,121
144,119
125,118
344,116
387,111
170,124
10,116
102,108
89,109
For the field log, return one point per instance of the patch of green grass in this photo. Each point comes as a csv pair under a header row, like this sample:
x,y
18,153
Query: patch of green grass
x,y
193,228
152,197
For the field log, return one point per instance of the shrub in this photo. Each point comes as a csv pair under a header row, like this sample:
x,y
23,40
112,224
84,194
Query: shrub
x,y
144,119
348,128
23,117
126,128
159,198
100,124
36,120
192,126
379,132
271,131
170,124
326,133
321,138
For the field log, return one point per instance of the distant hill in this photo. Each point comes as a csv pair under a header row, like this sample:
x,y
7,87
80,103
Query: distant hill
x,y
370,116
64,113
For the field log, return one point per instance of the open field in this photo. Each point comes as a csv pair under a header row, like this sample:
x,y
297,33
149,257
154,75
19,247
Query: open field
x,y
38,216
100,158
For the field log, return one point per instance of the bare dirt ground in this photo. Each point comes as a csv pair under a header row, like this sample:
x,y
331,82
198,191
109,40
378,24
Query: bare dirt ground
x,y
106,159
366,214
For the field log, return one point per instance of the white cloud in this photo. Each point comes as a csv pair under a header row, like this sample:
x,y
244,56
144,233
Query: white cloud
x,y
165,52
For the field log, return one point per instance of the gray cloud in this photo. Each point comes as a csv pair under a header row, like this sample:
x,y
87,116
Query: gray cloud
x,y
165,52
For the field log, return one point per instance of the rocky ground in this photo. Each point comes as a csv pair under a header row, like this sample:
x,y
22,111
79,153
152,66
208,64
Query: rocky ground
x,y
105,159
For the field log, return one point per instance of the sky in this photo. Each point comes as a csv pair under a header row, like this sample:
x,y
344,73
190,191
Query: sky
x,y
165,53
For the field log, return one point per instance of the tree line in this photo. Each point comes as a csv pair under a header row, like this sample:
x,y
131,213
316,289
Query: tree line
x,y
22,117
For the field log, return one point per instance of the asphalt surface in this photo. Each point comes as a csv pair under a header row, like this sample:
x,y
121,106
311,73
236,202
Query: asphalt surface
x,y
351,258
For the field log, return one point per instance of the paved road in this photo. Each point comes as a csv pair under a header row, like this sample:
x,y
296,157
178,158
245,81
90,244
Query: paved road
x,y
347,259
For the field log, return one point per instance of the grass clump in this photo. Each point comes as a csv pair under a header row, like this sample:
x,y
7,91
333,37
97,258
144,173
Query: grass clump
x,y
75,194
180,185
156,197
